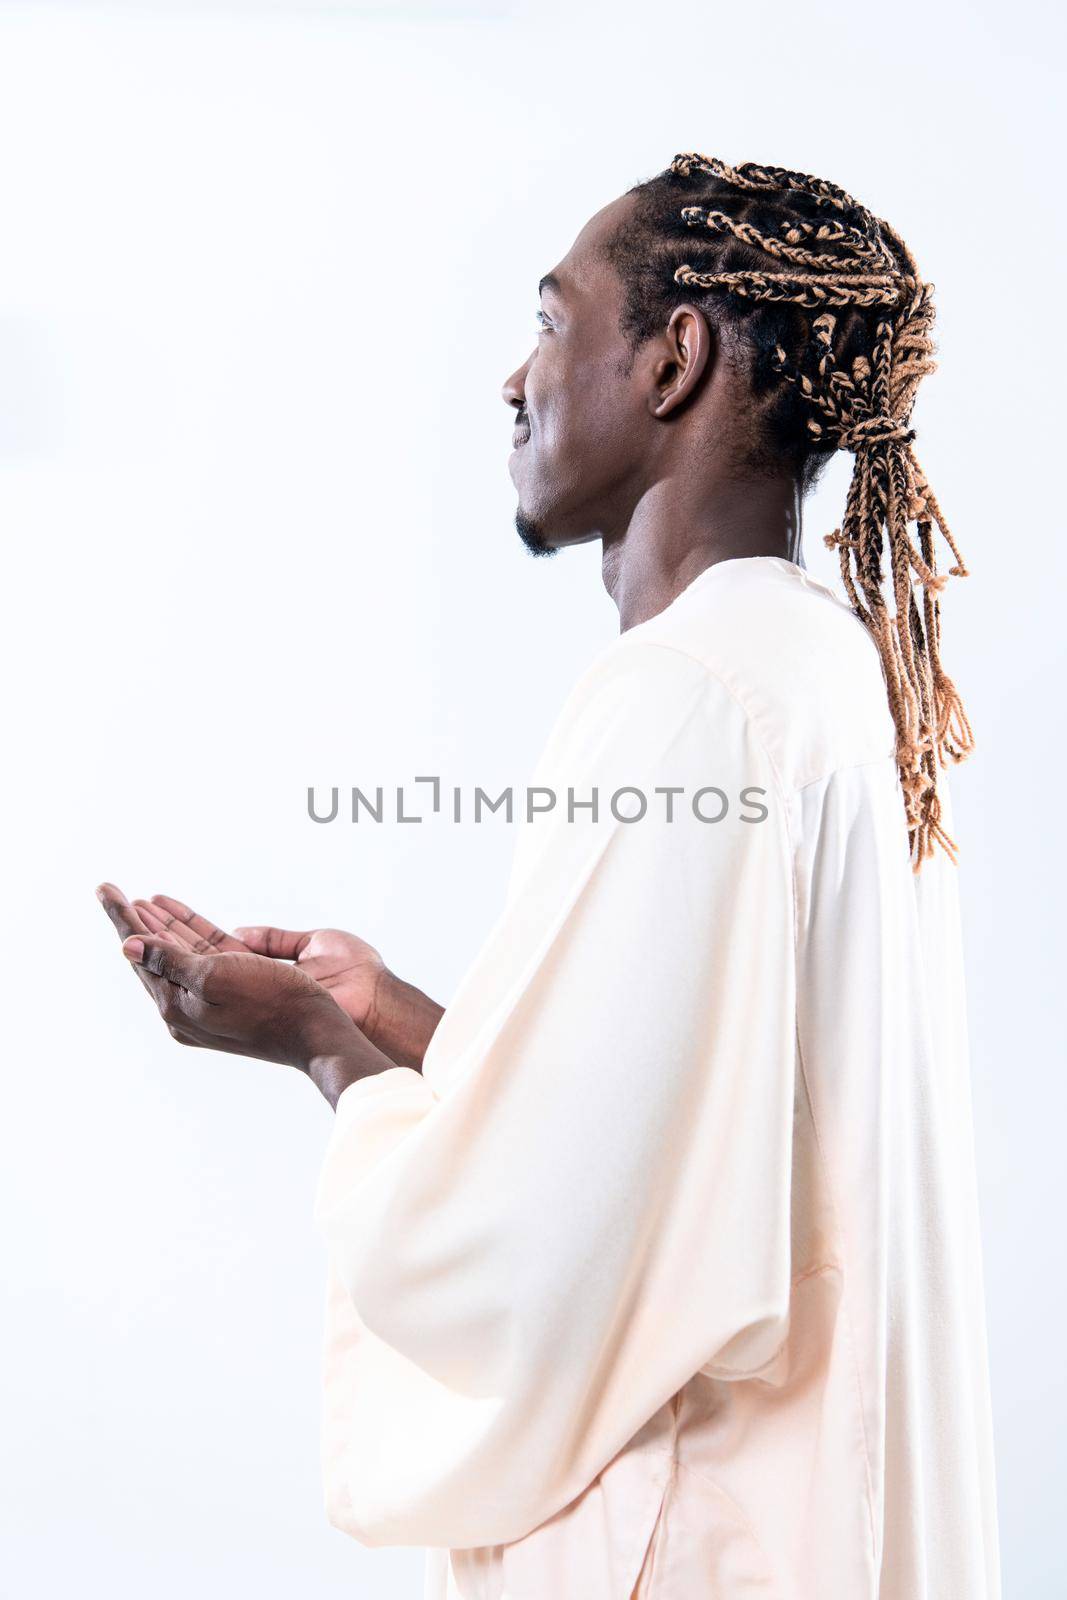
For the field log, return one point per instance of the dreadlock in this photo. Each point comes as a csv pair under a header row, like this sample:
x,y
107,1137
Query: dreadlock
x,y
823,304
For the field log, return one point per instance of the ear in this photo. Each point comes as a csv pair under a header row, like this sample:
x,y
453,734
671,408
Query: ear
x,y
683,356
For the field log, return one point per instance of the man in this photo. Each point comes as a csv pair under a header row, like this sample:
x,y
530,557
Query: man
x,y
654,1263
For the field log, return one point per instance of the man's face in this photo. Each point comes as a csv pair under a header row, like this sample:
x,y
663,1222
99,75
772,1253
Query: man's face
x,y
582,425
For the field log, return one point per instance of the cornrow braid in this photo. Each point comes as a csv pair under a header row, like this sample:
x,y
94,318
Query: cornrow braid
x,y
769,247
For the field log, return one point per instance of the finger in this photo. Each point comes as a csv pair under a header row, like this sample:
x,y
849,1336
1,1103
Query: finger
x,y
128,922
200,926
180,967
164,926
124,917
277,942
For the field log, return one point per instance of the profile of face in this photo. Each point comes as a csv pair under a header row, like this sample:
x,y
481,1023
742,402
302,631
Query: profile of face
x,y
583,427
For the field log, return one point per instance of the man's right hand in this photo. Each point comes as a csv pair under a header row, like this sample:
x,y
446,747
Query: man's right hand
x,y
394,1015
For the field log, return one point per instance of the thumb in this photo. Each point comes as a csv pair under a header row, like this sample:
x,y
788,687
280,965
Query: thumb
x,y
277,942
166,960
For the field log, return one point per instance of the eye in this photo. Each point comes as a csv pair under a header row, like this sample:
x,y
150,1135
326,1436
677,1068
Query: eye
x,y
541,320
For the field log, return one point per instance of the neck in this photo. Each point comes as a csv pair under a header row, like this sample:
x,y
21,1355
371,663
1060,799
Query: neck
x,y
669,542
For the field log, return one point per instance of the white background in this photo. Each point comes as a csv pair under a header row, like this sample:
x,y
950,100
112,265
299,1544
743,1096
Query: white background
x,y
264,270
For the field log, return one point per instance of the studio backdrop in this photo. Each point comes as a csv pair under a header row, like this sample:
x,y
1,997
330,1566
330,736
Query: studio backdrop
x,y
265,270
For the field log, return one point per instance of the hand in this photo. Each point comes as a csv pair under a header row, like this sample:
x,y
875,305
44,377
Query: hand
x,y
242,1003
397,1017
346,966
234,1000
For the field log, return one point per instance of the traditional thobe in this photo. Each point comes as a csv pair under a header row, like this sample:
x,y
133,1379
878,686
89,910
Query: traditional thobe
x,y
663,1278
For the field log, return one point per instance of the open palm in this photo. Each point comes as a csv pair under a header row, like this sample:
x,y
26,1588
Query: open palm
x,y
347,966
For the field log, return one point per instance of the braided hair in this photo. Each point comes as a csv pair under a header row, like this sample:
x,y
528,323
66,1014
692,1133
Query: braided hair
x,y
821,304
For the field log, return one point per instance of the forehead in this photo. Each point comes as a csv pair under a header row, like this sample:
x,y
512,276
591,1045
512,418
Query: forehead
x,y
585,271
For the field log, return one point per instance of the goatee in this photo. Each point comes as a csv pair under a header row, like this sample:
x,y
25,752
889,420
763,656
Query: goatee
x,y
532,535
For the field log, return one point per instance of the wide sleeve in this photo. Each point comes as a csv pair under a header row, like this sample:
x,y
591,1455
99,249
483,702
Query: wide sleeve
x,y
585,1196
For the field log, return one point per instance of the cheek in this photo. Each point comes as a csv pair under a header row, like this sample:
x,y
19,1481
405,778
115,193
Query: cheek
x,y
573,404
544,387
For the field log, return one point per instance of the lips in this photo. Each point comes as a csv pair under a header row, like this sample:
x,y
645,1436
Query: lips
x,y
520,437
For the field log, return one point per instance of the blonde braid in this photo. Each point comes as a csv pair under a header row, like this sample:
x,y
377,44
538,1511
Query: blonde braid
x,y
866,410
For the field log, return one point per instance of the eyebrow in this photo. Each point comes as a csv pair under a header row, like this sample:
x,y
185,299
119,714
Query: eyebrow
x,y
550,281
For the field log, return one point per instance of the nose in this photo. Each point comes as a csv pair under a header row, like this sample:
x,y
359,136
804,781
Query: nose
x,y
514,390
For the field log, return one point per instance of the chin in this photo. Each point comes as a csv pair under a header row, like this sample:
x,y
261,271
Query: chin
x,y
534,535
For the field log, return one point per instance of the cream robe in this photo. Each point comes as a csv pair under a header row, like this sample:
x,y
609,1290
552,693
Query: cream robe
x,y
663,1278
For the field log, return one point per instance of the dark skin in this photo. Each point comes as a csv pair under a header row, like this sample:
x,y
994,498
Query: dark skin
x,y
647,460
644,455
323,1002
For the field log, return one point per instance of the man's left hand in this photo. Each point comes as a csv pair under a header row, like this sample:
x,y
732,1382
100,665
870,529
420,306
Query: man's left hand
x,y
234,1001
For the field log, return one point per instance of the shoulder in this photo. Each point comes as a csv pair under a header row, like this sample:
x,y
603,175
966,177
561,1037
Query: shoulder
x,y
653,756
637,690
791,655
646,713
